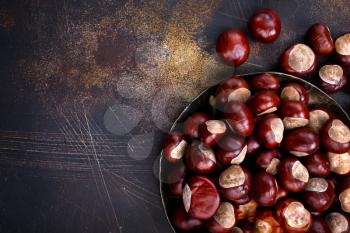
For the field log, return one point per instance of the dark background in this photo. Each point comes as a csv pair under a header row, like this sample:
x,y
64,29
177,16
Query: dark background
x,y
88,89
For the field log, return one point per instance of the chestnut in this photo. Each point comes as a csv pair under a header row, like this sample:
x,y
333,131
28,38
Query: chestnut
x,y
342,49
340,163
236,183
184,221
243,228
247,211
264,189
318,195
294,114
294,91
270,131
317,164
200,197
200,158
319,225
338,223
265,81
263,102
344,194
233,47
293,216
176,179
269,161
320,39
298,60
332,78
293,175
232,150
335,136
224,219
211,131
192,124
239,118
301,142
266,222
174,147
253,145
317,119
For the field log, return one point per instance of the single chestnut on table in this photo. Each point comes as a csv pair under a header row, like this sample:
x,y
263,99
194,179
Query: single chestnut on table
x,y
342,49
294,91
332,78
338,222
339,163
211,131
174,147
253,146
319,225
320,39
236,183
184,221
293,175
265,81
233,46
335,136
293,216
298,60
317,164
263,102
294,114
239,118
269,161
200,158
270,131
200,197
192,124
264,190
301,142
343,191
265,25
224,219
318,117
231,150
266,222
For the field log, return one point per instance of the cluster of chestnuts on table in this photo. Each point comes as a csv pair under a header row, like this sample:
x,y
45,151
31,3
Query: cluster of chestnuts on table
x,y
264,160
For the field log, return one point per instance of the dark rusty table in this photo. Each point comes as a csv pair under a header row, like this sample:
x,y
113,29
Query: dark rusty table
x,y
88,89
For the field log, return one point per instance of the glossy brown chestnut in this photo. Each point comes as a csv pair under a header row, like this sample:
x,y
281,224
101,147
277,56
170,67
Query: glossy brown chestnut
x,y
236,183
318,195
184,221
263,102
265,25
233,46
340,163
239,118
269,161
211,131
293,217
244,227
200,197
200,158
176,179
317,164
294,114
332,78
338,222
266,222
270,131
342,49
319,225
294,91
320,39
193,122
343,191
174,147
253,145
247,211
224,219
231,150
335,136
293,175
264,190
265,81
298,60
318,117
301,142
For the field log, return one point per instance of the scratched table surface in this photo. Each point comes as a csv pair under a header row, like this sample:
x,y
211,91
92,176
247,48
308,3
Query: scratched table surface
x,y
88,89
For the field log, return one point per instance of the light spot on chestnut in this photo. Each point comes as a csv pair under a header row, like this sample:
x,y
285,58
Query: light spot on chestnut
x,y
331,74
186,197
340,163
179,151
344,198
319,185
301,58
277,128
299,153
208,153
240,158
296,215
262,226
339,132
294,122
212,101
342,44
290,93
225,215
300,172
216,126
273,166
317,119
337,222
240,94
232,177
270,110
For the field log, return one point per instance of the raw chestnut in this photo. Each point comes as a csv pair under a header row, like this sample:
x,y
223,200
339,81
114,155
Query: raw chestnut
x,y
239,118
233,46
236,183
335,136
269,161
294,114
184,221
298,60
301,142
193,122
200,158
200,197
320,39
344,194
243,228
253,146
317,164
338,223
263,102
294,91
174,147
247,211
342,49
266,222
319,225
224,219
293,175
264,189
176,179
265,81
232,150
318,117
293,216
340,163
211,131
318,195
270,131
332,78
265,25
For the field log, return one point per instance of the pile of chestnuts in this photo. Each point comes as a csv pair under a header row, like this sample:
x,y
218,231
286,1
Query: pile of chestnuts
x,y
263,160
